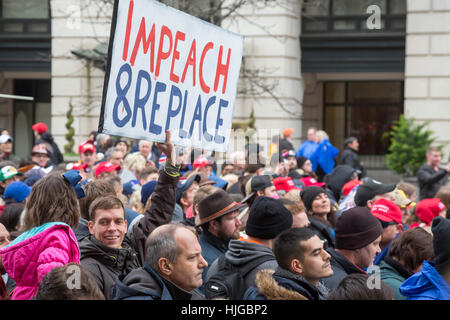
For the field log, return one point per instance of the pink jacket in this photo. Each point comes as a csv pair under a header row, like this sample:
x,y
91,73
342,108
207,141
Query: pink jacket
x,y
37,251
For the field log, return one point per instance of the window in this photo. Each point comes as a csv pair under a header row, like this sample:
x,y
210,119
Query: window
x,y
364,109
24,16
351,15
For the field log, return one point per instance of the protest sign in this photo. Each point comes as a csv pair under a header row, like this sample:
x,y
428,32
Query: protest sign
x,y
169,70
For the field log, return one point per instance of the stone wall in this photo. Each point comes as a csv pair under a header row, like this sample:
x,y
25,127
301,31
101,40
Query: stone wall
x,y
427,73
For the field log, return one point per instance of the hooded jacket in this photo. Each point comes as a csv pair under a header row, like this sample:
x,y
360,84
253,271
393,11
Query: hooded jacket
x,y
146,284
105,263
342,267
282,284
394,274
324,156
427,284
240,252
35,253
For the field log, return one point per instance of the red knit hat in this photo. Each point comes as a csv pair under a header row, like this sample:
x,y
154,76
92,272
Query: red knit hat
x,y
428,209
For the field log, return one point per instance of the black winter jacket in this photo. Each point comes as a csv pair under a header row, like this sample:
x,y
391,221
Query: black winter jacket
x,y
106,263
430,181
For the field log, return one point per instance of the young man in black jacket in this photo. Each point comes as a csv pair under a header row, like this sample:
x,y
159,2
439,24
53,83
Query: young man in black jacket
x,y
107,251
429,176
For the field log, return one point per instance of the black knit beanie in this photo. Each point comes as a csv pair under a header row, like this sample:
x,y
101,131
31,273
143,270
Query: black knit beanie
x,y
308,195
356,228
267,218
440,228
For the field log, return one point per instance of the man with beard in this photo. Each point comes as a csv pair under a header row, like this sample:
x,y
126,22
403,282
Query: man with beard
x,y
220,223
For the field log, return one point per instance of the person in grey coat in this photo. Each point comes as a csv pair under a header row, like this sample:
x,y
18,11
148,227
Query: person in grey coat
x,y
267,219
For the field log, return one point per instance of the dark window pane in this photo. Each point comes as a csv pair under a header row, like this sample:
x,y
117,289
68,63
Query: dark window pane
x,y
359,7
316,7
397,6
316,25
345,25
13,27
38,27
398,24
25,9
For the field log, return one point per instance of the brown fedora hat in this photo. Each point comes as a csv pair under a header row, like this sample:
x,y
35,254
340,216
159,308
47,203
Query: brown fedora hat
x,y
216,205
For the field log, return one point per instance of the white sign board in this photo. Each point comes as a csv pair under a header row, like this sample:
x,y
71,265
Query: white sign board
x,y
169,70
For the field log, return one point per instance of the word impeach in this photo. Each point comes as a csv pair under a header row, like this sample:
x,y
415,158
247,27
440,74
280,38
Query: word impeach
x,y
169,70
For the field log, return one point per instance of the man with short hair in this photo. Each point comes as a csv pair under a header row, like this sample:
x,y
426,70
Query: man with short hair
x,y
219,222
390,217
432,282
350,156
357,237
172,270
146,149
104,253
259,186
430,176
106,169
148,174
302,263
115,155
308,147
370,191
267,219
88,155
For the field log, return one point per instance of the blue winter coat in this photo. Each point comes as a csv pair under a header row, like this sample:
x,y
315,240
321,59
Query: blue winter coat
x,y
427,284
324,156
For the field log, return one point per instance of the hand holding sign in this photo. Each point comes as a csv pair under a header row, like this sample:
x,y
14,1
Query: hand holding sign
x,y
167,148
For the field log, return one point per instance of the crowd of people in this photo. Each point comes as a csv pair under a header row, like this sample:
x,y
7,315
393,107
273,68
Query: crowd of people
x,y
149,221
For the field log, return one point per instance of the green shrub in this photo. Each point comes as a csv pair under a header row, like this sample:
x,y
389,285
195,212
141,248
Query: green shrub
x,y
409,143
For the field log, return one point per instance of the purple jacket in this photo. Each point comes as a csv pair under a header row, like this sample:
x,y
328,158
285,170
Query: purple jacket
x,y
37,251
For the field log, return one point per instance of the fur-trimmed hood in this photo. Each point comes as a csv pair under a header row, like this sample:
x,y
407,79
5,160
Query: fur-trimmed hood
x,y
282,284
272,290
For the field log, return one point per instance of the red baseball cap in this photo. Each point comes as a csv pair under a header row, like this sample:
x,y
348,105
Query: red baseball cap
x,y
387,211
284,183
428,209
310,181
86,146
200,162
39,127
106,166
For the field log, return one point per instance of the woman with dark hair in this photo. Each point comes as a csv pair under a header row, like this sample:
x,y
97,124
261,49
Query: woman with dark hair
x,y
405,257
355,287
320,212
46,240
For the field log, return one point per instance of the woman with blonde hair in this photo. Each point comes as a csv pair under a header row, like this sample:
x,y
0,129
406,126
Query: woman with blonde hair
x,y
47,239
135,162
323,158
